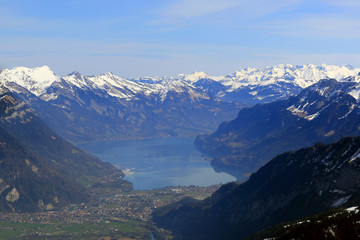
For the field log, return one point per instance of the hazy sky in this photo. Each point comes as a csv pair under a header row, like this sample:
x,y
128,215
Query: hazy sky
x,y
168,37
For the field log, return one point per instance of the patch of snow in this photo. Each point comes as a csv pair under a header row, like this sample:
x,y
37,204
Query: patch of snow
x,y
347,114
196,76
311,117
331,231
355,93
337,191
297,111
48,97
347,150
302,222
332,132
340,201
353,209
355,156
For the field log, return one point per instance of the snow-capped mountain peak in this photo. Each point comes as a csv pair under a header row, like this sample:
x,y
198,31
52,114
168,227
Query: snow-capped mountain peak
x,y
109,82
260,84
136,101
324,95
35,80
76,79
303,76
194,77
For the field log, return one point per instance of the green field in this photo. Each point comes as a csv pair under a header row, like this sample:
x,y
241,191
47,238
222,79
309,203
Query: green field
x,y
124,215
124,229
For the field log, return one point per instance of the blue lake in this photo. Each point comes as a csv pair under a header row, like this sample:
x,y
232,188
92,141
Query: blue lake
x,y
158,162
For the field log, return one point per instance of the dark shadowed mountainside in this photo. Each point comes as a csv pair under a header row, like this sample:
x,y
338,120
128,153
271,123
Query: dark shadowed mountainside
x,y
324,112
291,186
40,170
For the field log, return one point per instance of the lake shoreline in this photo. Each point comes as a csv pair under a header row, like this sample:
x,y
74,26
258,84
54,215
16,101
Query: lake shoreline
x,y
158,162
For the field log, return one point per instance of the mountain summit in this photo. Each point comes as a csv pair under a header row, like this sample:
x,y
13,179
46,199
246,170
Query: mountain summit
x,y
35,80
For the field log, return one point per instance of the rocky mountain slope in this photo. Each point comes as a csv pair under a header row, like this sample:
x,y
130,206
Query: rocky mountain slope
x,y
28,183
109,107
323,112
87,108
338,223
291,186
39,170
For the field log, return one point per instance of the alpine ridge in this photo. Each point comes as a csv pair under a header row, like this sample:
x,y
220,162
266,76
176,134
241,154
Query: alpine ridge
x,y
185,105
323,112
38,80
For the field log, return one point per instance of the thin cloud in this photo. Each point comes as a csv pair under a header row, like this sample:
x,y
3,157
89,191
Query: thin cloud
x,y
344,3
188,9
180,36
31,24
196,8
21,23
330,59
327,26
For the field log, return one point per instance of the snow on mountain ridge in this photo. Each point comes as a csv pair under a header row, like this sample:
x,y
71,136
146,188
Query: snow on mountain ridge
x,y
355,93
303,76
127,89
196,76
114,85
38,80
317,98
35,80
179,86
76,79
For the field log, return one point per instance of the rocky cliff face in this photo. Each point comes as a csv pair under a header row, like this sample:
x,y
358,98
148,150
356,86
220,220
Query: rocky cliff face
x,y
291,186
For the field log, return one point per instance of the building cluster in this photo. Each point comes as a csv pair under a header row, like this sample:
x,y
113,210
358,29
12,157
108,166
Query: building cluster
x,y
135,205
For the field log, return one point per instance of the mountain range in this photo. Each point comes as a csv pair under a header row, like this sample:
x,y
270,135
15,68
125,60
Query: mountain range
x,y
291,186
324,112
88,108
307,179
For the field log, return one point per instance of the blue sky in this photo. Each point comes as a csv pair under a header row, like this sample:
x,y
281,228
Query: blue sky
x,y
169,37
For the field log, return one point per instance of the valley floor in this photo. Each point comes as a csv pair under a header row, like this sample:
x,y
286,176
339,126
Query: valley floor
x,y
114,215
